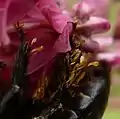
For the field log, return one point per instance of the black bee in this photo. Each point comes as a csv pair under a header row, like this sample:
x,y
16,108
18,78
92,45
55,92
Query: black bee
x,y
81,90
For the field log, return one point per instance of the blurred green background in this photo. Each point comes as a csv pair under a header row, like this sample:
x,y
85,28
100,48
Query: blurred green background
x,y
113,109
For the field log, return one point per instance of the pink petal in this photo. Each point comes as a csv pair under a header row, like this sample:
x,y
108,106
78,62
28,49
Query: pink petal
x,y
11,10
101,7
95,25
91,46
107,56
65,12
116,61
53,14
18,8
3,18
82,10
112,58
61,4
53,44
103,41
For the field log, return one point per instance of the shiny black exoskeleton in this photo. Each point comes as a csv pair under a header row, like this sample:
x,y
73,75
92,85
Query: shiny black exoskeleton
x,y
93,95
89,104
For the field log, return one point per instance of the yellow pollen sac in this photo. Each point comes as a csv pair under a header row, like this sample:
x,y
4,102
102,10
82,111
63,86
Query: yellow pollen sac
x,y
34,41
93,64
38,49
19,25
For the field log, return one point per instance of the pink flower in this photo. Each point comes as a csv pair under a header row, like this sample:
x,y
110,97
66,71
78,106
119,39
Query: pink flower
x,y
82,10
61,4
52,34
89,25
54,29
111,57
34,11
103,41
10,12
101,7
95,25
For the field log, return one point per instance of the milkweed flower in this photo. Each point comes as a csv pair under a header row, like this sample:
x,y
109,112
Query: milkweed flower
x,y
61,48
113,58
89,25
48,30
101,7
